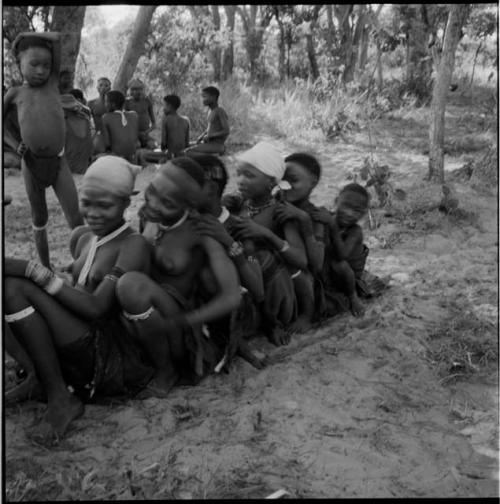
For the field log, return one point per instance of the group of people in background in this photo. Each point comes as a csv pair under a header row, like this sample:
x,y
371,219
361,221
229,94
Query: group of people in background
x,y
140,311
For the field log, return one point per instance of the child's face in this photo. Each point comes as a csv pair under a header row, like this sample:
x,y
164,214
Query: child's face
x,y
136,93
167,108
35,65
251,182
351,207
301,180
103,86
207,99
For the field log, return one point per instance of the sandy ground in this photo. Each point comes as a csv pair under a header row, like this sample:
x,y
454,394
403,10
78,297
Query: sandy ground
x,y
356,408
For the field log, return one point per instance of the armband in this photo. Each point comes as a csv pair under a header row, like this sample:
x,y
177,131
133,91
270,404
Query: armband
x,y
38,273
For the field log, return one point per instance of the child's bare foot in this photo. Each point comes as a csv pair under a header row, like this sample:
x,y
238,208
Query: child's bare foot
x,y
247,354
57,419
357,308
301,325
278,336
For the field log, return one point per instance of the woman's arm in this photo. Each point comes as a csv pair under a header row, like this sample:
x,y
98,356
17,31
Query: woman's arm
x,y
229,296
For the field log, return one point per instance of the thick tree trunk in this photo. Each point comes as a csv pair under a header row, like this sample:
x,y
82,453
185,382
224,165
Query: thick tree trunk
x,y
135,47
216,52
331,29
68,20
311,55
456,18
343,12
228,55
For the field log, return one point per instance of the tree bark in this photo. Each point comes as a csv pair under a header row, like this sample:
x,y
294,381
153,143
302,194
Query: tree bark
x,y
343,12
135,47
331,29
216,52
311,55
456,19
228,55
68,20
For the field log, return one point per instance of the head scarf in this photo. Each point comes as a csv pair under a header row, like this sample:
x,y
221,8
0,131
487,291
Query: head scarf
x,y
189,189
113,174
266,159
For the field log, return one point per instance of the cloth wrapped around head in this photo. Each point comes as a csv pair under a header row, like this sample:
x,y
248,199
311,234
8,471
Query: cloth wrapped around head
x,y
266,159
188,176
113,174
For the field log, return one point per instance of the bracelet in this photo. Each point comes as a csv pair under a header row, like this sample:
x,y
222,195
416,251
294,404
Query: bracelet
x,y
38,273
235,250
54,286
285,246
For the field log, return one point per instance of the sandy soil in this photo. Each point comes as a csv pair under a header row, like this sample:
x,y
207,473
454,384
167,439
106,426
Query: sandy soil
x,y
356,408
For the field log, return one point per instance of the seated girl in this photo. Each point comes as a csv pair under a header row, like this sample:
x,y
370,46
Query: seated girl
x,y
72,332
278,247
347,253
162,308
303,173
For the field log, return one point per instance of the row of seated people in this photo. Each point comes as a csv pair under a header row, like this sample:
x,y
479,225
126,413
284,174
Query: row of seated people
x,y
142,310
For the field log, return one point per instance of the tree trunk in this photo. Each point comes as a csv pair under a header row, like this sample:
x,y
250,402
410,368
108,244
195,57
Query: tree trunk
x,y
135,47
228,55
343,12
456,19
419,63
475,60
216,52
331,29
311,54
363,50
68,20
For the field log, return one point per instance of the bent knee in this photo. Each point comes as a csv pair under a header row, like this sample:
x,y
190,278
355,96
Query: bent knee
x,y
131,289
14,290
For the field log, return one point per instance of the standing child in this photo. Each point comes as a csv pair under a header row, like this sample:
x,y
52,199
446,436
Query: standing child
x,y
143,105
174,128
211,141
98,108
120,129
347,254
42,127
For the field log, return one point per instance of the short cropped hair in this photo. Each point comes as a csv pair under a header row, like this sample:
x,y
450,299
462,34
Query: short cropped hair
x,y
191,167
117,98
173,100
212,91
215,170
77,93
104,79
309,162
357,189
28,42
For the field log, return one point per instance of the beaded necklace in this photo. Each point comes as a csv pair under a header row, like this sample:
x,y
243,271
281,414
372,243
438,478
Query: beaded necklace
x,y
255,210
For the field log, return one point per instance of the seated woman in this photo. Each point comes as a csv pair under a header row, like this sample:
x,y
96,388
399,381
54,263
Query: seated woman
x,y
163,307
278,247
303,173
72,332
216,221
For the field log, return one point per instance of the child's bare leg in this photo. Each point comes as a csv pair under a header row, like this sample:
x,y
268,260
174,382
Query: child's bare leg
x,y
304,292
67,195
347,282
39,214
37,329
138,295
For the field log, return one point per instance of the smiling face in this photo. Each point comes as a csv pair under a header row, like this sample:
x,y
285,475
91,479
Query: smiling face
x,y
35,65
162,201
301,180
252,183
102,210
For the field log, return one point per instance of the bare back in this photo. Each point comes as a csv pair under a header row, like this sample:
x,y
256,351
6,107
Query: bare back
x,y
120,139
